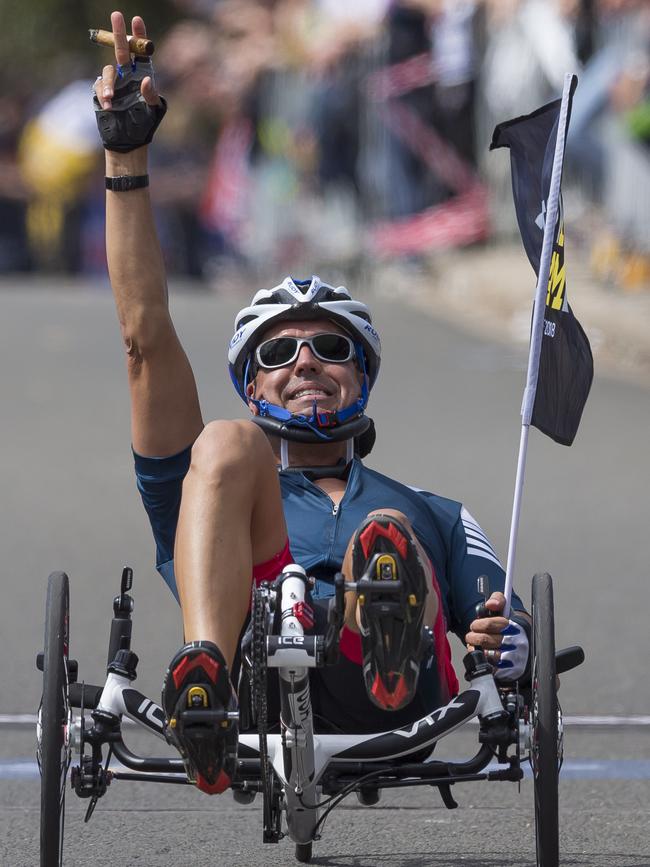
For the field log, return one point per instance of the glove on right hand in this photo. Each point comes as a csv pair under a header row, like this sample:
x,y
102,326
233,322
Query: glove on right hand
x,y
131,122
515,653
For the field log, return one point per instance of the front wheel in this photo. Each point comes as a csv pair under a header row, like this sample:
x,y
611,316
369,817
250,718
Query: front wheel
x,y
544,754
53,749
303,852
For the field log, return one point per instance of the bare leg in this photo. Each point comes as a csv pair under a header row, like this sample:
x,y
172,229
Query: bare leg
x,y
230,518
351,607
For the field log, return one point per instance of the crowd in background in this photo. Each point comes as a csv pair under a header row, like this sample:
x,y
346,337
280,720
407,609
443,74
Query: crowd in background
x,y
329,131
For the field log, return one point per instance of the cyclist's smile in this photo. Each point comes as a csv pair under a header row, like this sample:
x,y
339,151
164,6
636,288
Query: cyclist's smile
x,y
307,379
304,395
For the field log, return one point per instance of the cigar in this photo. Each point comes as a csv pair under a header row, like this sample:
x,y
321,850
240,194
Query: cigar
x,y
137,45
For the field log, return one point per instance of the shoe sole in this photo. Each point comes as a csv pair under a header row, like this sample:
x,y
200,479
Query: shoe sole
x,y
397,560
191,684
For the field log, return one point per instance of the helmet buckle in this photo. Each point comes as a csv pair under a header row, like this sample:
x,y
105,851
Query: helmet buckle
x,y
327,418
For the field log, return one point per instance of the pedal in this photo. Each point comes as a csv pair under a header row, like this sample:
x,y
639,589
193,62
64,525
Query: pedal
x,y
200,717
385,568
381,592
197,697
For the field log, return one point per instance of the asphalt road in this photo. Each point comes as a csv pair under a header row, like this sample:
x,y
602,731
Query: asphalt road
x,y
446,409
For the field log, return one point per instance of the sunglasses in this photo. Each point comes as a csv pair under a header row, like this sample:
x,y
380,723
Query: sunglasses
x,y
280,351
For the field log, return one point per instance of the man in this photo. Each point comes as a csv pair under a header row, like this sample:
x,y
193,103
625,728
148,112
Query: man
x,y
304,357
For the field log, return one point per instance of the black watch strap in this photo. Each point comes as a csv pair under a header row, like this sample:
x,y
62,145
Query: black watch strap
x,y
124,183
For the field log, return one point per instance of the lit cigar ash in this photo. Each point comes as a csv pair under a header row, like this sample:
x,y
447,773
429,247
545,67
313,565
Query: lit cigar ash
x,y
137,45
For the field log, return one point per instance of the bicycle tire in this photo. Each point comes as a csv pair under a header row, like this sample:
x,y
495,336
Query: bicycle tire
x,y
53,745
303,852
544,724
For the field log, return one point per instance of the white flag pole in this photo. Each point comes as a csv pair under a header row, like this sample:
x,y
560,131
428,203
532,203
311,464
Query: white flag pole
x,y
552,206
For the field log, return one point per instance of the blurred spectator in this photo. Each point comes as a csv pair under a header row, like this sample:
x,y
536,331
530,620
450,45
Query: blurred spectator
x,y
14,249
58,157
456,32
307,131
613,81
607,145
529,49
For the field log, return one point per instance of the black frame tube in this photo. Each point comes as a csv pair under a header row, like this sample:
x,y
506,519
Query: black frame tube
x,y
147,763
149,778
425,773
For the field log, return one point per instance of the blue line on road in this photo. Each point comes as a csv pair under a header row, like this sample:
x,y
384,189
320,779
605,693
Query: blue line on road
x,y
572,769
605,769
18,769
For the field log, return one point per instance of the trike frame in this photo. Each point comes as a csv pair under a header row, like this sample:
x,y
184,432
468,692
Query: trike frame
x,y
301,774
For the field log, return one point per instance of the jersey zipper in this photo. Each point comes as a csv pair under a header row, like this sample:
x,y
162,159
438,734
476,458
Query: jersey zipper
x,y
335,510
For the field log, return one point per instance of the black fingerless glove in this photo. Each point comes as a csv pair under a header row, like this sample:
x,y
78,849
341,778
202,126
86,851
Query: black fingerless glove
x,y
131,122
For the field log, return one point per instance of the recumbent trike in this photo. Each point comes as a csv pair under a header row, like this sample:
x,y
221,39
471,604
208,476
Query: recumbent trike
x,y
300,774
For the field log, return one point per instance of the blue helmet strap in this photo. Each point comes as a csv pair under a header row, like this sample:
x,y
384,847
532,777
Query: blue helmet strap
x,y
318,422
242,389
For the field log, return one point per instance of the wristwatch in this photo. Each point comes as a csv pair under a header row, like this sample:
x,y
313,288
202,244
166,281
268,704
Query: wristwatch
x,y
125,183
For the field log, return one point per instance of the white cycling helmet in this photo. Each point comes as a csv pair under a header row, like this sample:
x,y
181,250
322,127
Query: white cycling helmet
x,y
298,300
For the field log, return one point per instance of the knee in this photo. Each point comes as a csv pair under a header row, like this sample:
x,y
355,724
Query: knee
x,y
230,451
393,513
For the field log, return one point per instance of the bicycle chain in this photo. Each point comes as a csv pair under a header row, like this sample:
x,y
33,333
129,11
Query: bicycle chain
x,y
259,623
258,659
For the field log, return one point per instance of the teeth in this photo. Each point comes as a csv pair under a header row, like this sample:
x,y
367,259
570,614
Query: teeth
x,y
310,392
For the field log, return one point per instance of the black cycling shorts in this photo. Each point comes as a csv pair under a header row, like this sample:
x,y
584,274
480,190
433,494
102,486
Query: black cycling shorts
x,y
339,699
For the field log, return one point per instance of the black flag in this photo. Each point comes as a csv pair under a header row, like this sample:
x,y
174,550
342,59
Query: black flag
x,y
566,366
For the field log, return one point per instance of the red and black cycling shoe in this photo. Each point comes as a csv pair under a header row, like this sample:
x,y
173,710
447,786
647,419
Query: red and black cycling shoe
x,y
197,697
392,590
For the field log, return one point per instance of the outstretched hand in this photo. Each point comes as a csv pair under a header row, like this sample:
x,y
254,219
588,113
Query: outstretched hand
x,y
105,84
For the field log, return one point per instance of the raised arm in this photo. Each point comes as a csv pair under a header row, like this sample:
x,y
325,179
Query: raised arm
x,y
165,411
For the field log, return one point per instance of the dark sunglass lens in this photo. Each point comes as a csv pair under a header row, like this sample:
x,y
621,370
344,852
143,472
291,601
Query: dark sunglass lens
x,y
277,352
333,347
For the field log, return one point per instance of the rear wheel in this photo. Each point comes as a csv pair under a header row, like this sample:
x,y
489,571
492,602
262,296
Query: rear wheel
x,y
53,721
545,747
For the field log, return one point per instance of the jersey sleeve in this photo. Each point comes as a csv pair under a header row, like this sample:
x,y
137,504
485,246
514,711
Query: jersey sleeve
x,y
472,555
160,482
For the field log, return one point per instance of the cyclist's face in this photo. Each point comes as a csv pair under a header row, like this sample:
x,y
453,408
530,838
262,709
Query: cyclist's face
x,y
307,379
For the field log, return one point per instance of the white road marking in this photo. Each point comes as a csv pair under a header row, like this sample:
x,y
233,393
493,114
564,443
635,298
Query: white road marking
x,y
29,719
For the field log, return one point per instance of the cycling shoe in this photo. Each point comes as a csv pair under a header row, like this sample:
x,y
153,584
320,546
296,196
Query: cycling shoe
x,y
392,590
196,697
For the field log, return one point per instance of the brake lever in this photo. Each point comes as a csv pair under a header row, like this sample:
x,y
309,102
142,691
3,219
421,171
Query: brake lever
x,y
483,586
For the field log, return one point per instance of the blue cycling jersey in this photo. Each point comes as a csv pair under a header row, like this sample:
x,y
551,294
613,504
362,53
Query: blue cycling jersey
x,y
319,531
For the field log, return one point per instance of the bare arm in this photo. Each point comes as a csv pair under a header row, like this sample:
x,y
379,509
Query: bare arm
x,y
165,411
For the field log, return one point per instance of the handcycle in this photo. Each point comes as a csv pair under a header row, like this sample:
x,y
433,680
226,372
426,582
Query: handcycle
x,y
299,773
